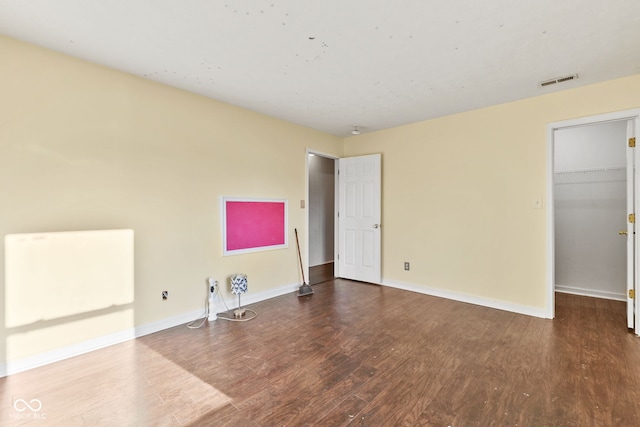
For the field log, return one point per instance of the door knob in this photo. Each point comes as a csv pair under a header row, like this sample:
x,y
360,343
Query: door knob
x,y
376,225
622,233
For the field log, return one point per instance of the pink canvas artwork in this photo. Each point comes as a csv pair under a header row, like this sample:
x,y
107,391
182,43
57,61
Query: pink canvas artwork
x,y
254,224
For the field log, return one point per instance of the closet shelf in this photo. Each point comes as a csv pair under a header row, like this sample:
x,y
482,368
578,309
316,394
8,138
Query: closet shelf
x,y
613,169
590,176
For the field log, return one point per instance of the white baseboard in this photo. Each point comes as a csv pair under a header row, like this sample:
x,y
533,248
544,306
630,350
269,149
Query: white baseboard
x,y
616,296
322,263
471,299
250,298
14,367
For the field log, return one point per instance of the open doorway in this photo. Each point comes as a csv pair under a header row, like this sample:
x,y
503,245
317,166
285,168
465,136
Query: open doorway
x,y
321,216
586,185
590,205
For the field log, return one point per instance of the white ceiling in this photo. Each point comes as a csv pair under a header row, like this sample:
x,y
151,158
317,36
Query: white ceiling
x,y
332,64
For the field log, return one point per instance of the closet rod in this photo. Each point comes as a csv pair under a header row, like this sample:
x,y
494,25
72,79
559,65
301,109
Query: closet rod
x,y
620,168
590,182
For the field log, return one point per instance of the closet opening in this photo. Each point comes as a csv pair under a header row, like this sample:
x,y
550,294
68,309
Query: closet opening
x,y
590,209
592,189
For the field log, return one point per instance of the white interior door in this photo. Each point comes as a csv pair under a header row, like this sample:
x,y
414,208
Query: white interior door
x,y
631,181
359,213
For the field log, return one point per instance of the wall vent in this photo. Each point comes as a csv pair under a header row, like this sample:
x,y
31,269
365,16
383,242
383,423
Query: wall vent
x,y
558,80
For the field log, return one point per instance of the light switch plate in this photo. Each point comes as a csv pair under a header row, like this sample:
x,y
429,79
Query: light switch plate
x,y
536,203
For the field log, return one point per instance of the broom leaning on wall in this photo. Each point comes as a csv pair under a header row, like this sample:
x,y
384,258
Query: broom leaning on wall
x,y
305,288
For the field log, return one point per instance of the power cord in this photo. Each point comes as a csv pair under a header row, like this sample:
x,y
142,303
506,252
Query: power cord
x,y
215,291
204,318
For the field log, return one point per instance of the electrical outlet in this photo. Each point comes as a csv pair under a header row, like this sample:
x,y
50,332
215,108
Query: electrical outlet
x,y
165,295
213,287
407,266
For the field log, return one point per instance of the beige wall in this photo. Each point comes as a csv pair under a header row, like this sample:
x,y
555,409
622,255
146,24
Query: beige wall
x,y
83,147
458,193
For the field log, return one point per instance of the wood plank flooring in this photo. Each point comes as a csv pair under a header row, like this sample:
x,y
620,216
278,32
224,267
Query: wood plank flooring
x,y
353,354
321,273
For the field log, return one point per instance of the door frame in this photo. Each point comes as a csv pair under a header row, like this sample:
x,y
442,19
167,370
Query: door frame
x,y
335,210
633,114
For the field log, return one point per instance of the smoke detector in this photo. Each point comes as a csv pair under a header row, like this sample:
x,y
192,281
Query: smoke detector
x,y
558,80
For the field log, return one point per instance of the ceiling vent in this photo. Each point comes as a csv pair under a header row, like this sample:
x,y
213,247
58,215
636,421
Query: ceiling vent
x,y
558,80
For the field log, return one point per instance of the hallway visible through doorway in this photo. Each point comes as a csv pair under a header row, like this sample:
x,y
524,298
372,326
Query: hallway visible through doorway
x,y
321,273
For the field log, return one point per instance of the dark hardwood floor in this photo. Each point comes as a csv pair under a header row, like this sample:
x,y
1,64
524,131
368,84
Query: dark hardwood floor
x,y
321,273
355,354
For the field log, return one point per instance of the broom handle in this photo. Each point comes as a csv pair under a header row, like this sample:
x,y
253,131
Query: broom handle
x,y
300,256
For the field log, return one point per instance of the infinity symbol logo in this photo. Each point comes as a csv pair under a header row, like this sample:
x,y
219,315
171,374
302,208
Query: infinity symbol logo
x,y
21,405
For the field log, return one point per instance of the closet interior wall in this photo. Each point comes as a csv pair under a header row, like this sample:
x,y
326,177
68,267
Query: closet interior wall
x,y
590,209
